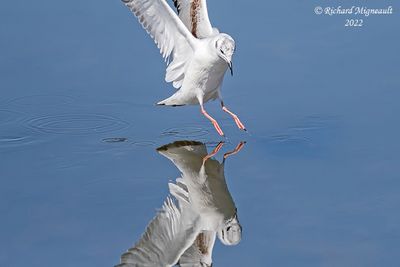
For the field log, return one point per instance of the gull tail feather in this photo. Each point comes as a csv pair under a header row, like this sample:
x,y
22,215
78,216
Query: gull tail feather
x,y
170,101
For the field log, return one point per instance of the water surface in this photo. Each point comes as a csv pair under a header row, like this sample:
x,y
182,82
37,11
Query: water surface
x,y
315,185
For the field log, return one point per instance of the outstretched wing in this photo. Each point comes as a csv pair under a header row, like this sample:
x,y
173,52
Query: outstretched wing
x,y
167,236
168,32
194,15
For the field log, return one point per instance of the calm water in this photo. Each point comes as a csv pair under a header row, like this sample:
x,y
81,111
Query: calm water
x,y
316,184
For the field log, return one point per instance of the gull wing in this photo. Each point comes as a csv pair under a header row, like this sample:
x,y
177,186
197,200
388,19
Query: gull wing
x,y
168,32
167,236
194,15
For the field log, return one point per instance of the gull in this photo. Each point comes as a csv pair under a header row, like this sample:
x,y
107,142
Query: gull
x,y
184,232
197,54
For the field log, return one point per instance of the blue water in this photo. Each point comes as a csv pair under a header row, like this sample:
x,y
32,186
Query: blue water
x,y
317,183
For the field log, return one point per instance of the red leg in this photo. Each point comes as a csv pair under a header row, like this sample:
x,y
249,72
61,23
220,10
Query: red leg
x,y
234,116
214,152
236,150
214,122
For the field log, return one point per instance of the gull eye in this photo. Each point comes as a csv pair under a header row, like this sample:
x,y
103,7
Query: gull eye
x,y
228,228
222,51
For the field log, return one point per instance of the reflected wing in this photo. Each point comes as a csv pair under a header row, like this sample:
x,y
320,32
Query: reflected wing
x,y
180,192
166,238
168,32
200,253
194,15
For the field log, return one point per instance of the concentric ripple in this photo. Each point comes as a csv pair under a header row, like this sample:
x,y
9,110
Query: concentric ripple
x,y
42,100
12,141
185,131
285,138
144,143
8,116
115,140
77,124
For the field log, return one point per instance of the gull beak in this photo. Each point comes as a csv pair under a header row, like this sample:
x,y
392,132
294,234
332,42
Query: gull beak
x,y
230,64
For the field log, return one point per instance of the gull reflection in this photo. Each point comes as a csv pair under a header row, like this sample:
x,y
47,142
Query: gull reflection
x,y
199,209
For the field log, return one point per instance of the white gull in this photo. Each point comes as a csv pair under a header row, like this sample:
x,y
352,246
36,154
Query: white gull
x,y
197,54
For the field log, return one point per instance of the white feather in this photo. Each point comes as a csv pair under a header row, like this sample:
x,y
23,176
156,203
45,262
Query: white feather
x,y
166,237
168,32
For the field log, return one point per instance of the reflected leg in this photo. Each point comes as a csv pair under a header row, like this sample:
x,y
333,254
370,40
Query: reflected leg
x,y
236,150
214,152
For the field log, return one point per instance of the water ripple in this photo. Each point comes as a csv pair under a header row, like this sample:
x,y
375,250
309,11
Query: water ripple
x,y
7,141
138,143
144,143
284,138
8,116
115,140
42,100
185,131
77,124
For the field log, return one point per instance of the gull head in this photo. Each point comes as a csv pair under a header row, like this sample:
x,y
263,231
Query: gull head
x,y
225,46
231,232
